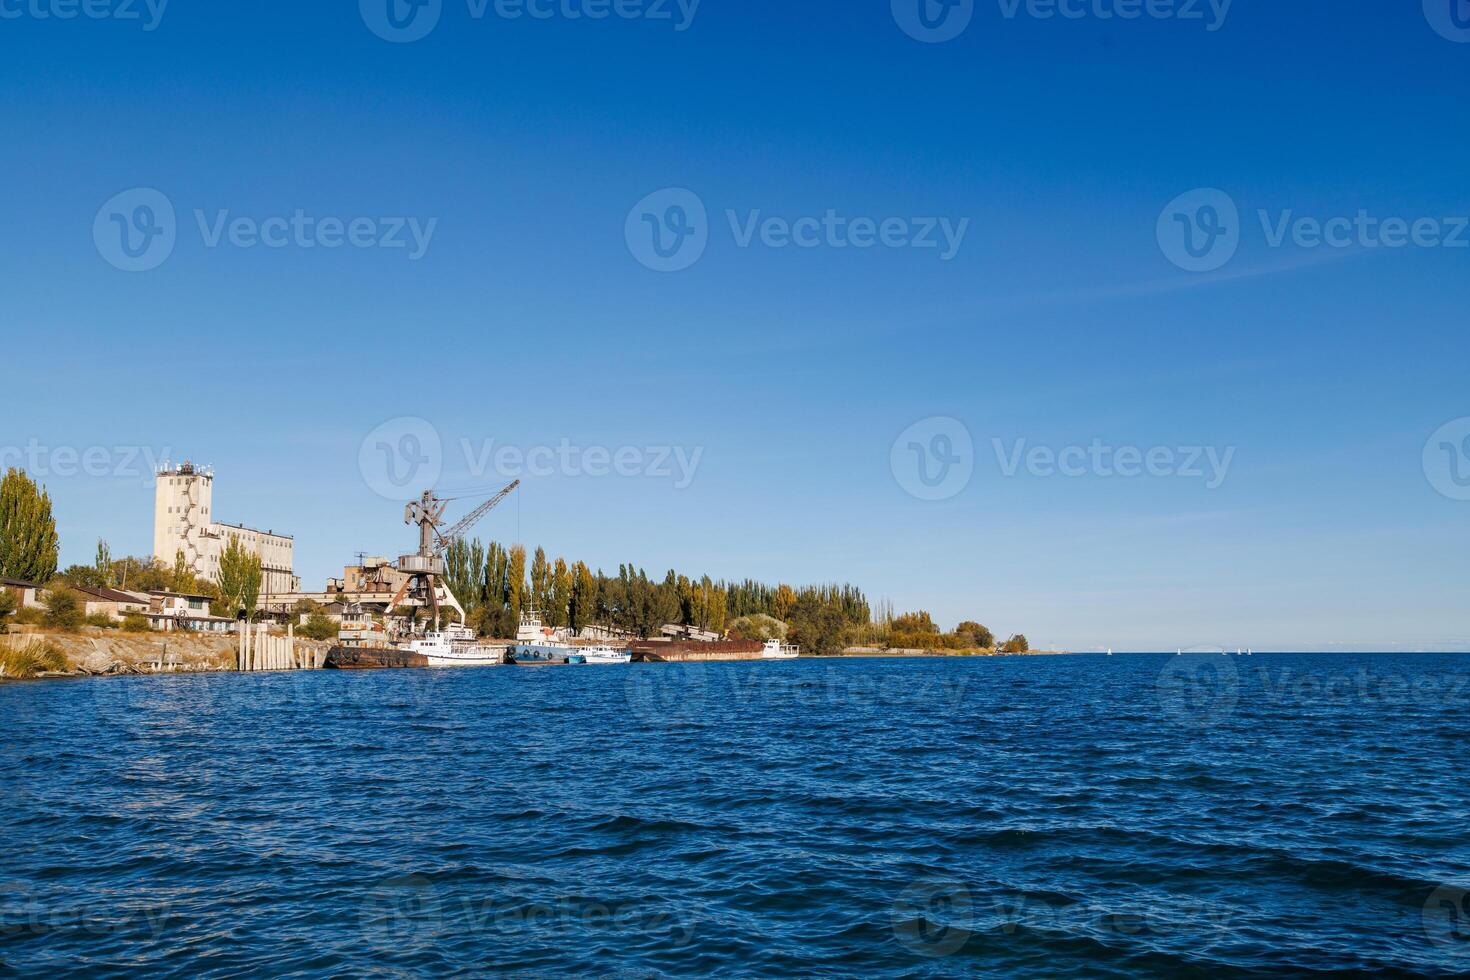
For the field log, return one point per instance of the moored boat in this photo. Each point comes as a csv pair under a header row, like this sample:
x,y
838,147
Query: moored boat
x,y
457,646
372,658
776,650
535,648
603,654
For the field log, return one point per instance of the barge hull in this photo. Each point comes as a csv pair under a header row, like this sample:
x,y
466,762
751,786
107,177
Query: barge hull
x,y
373,658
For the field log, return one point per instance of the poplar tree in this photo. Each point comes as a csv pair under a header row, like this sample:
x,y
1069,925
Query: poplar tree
x,y
239,580
29,547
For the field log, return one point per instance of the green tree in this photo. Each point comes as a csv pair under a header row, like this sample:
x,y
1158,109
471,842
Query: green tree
x,y
318,626
816,626
914,622
541,587
103,564
82,575
64,610
238,580
1017,644
582,609
561,593
975,634
515,582
29,546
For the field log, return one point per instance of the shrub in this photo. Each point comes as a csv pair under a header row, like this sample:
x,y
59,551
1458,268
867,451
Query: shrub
x,y
29,658
318,627
136,623
102,621
29,616
63,608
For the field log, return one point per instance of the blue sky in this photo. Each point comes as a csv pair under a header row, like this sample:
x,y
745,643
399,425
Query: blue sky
x,y
529,319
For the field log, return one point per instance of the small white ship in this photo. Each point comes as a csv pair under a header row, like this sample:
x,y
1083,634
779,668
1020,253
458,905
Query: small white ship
x,y
602,654
776,650
457,646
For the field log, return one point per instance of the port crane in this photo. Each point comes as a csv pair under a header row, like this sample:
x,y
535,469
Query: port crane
x,y
425,569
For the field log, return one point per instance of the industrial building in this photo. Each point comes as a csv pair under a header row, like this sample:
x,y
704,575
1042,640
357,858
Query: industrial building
x,y
183,523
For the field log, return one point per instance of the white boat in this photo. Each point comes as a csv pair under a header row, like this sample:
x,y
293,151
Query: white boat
x,y
776,650
602,654
456,646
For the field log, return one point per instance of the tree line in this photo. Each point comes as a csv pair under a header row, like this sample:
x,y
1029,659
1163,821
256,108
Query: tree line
x,y
495,583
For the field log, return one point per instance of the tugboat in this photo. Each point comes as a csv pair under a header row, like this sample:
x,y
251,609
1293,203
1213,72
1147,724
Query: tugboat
x,y
533,647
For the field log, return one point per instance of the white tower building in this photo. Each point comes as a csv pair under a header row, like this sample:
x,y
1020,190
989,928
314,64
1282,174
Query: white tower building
x,y
183,523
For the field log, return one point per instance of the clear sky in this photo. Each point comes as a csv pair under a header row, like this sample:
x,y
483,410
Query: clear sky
x,y
1059,310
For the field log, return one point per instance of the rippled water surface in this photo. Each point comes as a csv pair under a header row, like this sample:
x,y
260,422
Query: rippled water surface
x,y
1135,815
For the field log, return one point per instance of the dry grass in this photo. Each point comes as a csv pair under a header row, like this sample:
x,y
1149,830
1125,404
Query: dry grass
x,y
23,657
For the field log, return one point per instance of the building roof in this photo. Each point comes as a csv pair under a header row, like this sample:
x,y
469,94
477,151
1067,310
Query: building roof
x,y
180,595
253,530
110,595
16,583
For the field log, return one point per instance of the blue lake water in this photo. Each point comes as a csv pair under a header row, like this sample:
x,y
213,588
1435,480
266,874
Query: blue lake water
x,y
1135,815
